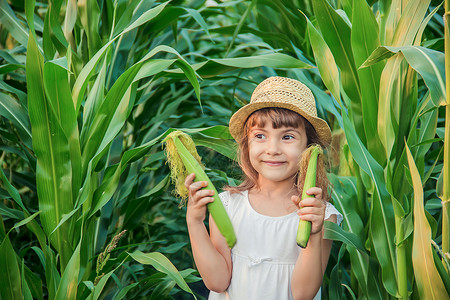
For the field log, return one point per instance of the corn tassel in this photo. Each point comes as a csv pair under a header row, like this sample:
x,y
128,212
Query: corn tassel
x,y
304,227
183,160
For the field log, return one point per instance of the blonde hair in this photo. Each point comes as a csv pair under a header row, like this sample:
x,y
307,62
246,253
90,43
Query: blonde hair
x,y
279,117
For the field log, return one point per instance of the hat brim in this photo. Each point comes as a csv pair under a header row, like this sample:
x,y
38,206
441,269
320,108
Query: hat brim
x,y
239,118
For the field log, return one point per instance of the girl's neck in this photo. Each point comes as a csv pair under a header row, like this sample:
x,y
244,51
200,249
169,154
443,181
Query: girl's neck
x,y
273,200
277,190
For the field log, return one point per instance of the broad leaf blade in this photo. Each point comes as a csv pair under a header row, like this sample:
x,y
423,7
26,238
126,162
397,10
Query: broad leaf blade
x,y
54,170
10,274
427,277
69,281
365,40
162,264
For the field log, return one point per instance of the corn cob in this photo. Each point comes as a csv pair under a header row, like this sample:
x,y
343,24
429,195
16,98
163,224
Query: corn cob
x,y
304,227
183,160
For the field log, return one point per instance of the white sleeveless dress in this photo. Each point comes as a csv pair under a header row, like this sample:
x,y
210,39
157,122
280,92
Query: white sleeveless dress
x,y
265,252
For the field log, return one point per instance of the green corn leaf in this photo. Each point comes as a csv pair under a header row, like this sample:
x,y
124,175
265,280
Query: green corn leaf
x,y
410,22
265,35
187,69
10,275
123,18
13,192
365,39
154,66
336,233
25,288
162,264
427,277
217,132
57,89
95,98
199,19
145,17
14,26
21,95
7,68
25,221
33,282
430,65
104,126
382,216
337,34
427,62
114,110
326,64
273,60
224,147
239,25
95,294
111,178
47,43
90,17
31,224
123,292
52,275
68,285
138,207
53,173
70,18
57,35
82,81
390,97
323,99
29,12
18,115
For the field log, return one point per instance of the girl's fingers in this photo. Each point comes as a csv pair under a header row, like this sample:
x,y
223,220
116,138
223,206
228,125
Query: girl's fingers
x,y
189,179
310,210
194,187
203,193
315,192
295,200
315,202
205,200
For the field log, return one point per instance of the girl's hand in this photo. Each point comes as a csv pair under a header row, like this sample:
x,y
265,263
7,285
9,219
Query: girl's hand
x,y
312,209
198,199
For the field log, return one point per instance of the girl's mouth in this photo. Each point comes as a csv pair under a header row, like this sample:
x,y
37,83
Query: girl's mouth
x,y
274,163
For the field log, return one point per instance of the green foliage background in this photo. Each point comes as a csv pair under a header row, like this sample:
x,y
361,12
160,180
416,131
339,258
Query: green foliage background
x,y
88,89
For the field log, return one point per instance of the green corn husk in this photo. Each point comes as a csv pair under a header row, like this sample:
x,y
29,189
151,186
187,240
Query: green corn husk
x,y
183,160
304,227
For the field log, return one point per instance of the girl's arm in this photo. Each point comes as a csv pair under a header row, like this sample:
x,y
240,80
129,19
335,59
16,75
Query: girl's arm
x,y
211,253
312,261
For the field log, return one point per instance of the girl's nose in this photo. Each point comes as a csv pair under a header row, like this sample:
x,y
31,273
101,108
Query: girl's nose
x,y
273,147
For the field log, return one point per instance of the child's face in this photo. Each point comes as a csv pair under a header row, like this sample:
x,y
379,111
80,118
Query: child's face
x,y
275,153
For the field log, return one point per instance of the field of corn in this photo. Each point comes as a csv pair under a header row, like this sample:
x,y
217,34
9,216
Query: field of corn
x,y
89,90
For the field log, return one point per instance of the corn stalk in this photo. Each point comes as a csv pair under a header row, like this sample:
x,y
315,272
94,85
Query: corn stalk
x,y
446,168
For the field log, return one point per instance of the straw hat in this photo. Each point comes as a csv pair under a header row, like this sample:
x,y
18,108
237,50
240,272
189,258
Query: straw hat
x,y
284,93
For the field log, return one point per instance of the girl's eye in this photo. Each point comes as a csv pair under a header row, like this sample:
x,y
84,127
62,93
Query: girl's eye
x,y
260,136
288,137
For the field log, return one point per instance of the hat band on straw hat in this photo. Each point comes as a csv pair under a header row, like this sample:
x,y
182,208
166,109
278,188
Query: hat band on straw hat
x,y
281,92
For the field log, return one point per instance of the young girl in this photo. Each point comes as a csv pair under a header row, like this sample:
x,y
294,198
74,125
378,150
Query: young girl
x,y
272,132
